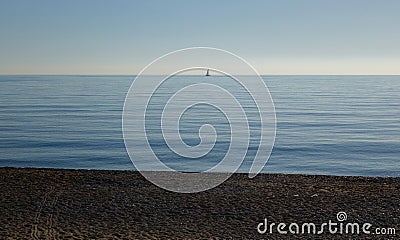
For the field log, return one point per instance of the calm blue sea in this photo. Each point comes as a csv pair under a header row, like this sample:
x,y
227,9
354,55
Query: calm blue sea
x,y
338,125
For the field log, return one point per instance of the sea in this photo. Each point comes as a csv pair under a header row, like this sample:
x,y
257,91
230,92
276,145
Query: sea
x,y
325,125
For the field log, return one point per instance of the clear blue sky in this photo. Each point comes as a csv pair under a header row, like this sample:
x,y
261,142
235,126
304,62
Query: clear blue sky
x,y
277,37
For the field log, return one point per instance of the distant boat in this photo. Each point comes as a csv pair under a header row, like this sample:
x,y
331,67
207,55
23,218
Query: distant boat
x,y
208,72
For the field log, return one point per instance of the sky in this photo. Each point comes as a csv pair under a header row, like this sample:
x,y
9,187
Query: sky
x,y
123,36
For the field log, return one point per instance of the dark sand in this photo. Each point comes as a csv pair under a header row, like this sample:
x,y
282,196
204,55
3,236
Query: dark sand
x,y
81,204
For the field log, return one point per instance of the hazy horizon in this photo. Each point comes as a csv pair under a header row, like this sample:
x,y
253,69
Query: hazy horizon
x,y
126,74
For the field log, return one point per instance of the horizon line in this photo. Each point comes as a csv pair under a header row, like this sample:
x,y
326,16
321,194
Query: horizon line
x,y
131,74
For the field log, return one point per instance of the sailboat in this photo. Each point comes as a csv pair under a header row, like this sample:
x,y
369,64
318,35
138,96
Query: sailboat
x,y
208,73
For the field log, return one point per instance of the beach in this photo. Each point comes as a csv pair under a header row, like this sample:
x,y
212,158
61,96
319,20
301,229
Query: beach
x,y
104,204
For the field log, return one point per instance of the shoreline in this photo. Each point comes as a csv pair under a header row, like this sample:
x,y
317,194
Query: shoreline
x,y
236,173
43,203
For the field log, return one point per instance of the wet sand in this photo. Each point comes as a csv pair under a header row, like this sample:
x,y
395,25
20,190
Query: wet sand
x,y
89,204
